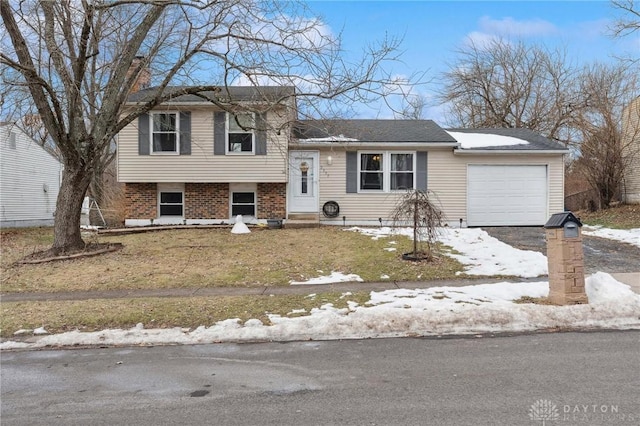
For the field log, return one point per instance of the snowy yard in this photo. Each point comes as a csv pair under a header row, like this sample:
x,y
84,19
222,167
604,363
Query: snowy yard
x,y
473,309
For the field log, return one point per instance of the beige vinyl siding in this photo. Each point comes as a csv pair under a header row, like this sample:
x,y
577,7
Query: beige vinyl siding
x,y
355,207
447,177
631,134
201,165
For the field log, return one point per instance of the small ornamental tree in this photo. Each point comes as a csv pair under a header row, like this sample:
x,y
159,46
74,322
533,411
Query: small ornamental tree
x,y
416,208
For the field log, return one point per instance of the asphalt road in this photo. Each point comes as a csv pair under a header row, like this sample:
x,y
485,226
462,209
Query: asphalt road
x,y
569,378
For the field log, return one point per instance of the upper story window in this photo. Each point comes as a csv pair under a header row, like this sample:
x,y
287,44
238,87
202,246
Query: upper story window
x,y
386,171
165,128
240,135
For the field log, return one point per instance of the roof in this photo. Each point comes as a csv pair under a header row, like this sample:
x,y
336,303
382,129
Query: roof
x,y
557,220
534,140
372,131
224,94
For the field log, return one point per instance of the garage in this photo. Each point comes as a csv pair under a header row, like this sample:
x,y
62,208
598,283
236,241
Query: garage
x,y
506,195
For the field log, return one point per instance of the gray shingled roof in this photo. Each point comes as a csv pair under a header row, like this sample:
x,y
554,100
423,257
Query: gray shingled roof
x,y
373,130
557,220
536,141
226,94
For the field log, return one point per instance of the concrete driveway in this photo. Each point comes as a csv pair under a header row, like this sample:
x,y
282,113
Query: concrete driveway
x,y
600,254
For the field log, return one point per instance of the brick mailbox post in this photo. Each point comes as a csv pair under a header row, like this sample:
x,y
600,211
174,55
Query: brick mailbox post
x,y
566,260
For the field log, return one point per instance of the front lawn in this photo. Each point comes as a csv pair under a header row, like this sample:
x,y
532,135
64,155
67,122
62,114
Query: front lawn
x,y
154,312
187,258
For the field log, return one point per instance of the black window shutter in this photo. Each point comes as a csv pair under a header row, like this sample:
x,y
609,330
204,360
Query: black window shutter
x,y
352,172
261,134
421,170
185,133
219,130
143,134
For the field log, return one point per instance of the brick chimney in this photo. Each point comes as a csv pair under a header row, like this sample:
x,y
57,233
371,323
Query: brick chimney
x,y
144,75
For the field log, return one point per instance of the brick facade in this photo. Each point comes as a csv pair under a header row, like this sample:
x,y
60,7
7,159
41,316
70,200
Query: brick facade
x,y
206,200
272,200
142,200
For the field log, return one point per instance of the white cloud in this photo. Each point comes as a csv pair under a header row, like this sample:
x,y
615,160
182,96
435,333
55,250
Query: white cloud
x,y
511,27
491,30
590,30
480,39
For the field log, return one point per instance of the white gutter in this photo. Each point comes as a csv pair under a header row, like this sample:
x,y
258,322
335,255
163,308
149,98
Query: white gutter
x,y
321,144
509,151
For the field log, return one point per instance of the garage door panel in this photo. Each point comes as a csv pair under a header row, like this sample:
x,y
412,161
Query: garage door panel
x,y
506,195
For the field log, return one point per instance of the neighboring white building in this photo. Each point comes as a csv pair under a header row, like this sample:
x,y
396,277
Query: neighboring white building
x,y
29,180
631,141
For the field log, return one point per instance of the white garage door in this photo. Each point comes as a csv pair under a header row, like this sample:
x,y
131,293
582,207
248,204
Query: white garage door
x,y
506,195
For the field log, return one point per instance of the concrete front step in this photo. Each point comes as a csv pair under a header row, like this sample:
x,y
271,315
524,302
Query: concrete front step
x,y
304,216
298,224
302,220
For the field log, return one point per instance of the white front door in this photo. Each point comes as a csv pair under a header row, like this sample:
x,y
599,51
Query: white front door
x,y
303,181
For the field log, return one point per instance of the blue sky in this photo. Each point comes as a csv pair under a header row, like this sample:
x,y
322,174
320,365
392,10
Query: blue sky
x,y
433,30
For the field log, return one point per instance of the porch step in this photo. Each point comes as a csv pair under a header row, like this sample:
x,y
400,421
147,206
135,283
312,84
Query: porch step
x,y
302,220
299,223
304,216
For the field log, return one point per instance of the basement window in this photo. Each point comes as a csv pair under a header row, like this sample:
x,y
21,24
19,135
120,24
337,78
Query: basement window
x,y
171,203
243,203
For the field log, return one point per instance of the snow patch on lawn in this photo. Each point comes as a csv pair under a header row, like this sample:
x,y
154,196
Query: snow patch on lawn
x,y
481,308
334,277
480,253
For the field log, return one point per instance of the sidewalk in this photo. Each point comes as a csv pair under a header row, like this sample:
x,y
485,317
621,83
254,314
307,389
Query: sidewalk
x,y
631,279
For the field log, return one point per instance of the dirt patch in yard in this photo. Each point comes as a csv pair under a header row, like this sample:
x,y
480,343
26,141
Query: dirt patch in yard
x,y
600,254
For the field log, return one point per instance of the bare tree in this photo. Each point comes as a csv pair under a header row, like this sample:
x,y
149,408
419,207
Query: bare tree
x,y
606,155
414,108
78,60
629,20
418,209
503,84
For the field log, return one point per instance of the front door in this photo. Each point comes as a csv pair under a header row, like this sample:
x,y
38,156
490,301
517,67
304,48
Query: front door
x,y
303,181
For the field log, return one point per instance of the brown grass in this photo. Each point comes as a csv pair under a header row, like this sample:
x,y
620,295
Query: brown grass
x,y
190,312
624,216
533,300
189,258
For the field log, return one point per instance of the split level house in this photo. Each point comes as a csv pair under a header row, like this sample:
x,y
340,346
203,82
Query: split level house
x,y
199,160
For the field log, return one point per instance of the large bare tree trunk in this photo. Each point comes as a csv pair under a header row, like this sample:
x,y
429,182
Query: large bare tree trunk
x,y
80,60
66,236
